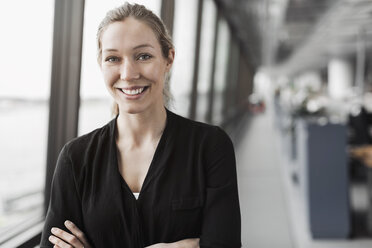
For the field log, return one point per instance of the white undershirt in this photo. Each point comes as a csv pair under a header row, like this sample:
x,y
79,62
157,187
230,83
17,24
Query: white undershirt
x,y
136,195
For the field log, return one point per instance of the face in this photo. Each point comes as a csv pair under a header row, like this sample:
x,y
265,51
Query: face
x,y
133,66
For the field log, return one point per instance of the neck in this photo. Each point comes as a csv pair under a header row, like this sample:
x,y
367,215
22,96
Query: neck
x,y
137,129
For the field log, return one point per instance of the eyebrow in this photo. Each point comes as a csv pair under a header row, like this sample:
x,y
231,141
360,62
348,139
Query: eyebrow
x,y
110,50
143,45
134,48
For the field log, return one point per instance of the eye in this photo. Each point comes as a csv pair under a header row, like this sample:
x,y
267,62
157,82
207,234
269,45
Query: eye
x,y
144,56
112,59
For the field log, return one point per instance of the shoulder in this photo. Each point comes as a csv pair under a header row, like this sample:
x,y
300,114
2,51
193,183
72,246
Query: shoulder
x,y
188,124
208,133
75,158
90,142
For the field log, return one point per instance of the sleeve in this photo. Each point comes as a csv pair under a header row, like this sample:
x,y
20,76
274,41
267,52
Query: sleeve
x,y
221,226
65,203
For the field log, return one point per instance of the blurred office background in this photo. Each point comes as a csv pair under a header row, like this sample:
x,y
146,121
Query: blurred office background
x,y
289,80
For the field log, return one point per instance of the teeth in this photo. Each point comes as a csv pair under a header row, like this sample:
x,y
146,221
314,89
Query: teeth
x,y
133,92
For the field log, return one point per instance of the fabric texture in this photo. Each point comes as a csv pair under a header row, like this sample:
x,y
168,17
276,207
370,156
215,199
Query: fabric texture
x,y
190,190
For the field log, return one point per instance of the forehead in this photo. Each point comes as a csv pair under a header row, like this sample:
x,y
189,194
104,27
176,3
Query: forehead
x,y
128,33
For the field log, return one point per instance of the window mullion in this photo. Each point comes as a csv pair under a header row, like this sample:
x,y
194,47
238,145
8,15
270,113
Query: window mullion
x,y
65,81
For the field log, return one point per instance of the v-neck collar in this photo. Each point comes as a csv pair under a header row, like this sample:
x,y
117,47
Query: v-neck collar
x,y
153,164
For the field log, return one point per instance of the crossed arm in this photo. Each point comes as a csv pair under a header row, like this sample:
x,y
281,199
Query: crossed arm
x,y
77,239
221,213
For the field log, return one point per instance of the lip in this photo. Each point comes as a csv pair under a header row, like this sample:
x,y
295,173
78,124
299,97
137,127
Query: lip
x,y
132,87
133,97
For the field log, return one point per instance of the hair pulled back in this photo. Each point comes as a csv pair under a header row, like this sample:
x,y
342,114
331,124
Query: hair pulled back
x,y
140,13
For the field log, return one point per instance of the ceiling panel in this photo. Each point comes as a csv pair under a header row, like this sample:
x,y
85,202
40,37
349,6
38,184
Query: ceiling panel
x,y
292,35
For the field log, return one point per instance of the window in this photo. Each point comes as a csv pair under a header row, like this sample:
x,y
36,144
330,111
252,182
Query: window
x,y
185,18
231,91
220,76
205,57
96,103
25,62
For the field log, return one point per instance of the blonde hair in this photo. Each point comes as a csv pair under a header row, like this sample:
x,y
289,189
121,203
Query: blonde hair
x,y
140,13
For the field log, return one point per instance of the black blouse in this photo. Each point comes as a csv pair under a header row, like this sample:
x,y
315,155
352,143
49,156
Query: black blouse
x,y
190,190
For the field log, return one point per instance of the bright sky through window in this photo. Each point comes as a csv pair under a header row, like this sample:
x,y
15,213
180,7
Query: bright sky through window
x,y
25,49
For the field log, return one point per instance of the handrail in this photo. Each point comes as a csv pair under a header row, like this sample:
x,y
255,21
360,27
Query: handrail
x,y
27,234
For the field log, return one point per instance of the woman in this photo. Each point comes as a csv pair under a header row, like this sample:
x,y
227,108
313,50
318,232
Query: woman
x,y
181,172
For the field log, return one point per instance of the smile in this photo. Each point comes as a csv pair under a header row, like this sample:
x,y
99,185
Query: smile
x,y
134,91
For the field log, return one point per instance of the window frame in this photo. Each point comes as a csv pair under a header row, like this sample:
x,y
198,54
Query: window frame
x,y
63,106
65,94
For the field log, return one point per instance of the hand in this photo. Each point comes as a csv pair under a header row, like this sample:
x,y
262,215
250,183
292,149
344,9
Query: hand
x,y
62,239
159,245
185,243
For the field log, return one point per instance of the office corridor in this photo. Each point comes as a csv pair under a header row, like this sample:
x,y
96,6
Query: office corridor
x,y
272,214
263,206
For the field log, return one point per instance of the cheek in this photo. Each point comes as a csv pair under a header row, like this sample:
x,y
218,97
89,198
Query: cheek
x,y
109,75
155,73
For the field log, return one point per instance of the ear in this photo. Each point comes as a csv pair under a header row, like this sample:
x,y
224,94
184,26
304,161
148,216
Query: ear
x,y
170,59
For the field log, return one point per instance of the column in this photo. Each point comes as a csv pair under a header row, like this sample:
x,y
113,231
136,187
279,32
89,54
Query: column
x,y
340,78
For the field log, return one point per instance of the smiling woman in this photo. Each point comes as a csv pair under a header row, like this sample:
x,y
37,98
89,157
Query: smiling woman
x,y
94,98
149,178
132,61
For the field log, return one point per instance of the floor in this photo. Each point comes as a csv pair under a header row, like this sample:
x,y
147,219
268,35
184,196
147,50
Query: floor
x,y
270,204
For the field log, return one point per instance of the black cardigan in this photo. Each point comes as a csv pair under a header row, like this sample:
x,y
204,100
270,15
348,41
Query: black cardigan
x,y
190,190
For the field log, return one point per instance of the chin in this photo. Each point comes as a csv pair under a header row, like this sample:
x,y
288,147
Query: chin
x,y
132,109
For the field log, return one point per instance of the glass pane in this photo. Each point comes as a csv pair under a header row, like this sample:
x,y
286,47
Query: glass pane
x,y
223,44
205,57
232,91
184,39
25,64
96,103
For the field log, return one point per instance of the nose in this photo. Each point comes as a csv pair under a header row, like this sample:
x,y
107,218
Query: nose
x,y
129,71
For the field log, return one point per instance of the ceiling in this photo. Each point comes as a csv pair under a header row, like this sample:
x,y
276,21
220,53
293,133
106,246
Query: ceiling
x,y
290,36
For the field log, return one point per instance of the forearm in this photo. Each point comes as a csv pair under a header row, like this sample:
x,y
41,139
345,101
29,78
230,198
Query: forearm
x,y
185,243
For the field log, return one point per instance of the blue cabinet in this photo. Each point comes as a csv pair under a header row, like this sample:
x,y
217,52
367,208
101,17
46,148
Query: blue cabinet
x,y
323,170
